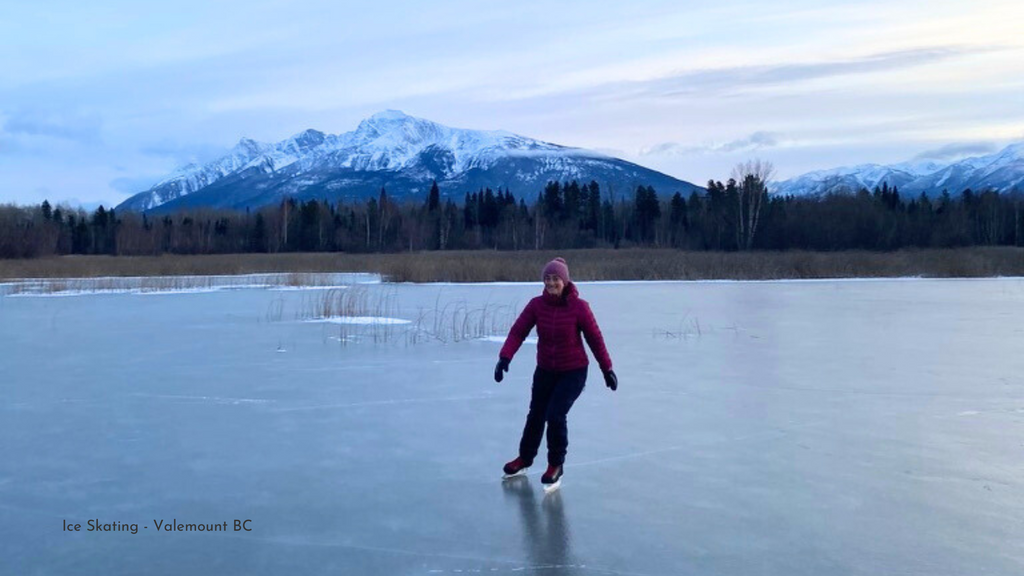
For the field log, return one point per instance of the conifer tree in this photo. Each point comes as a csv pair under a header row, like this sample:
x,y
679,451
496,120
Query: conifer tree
x,y
434,199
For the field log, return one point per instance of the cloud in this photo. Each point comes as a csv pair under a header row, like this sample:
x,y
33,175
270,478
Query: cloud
x,y
184,154
734,79
756,141
7,145
957,151
134,185
559,152
612,152
83,128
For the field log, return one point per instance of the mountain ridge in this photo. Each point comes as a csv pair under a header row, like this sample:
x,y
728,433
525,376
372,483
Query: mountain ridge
x,y
1002,170
393,150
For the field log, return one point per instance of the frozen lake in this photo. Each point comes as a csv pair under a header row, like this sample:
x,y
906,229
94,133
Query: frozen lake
x,y
790,428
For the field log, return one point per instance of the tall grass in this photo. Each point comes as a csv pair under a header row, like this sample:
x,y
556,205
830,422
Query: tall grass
x,y
180,265
457,321
596,264
376,305
649,264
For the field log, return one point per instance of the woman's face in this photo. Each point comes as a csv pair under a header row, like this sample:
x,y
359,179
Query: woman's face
x,y
553,285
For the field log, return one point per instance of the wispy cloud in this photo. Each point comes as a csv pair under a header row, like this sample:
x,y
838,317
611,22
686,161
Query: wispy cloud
x,y
560,151
132,185
729,80
826,83
957,151
77,128
184,154
7,145
756,141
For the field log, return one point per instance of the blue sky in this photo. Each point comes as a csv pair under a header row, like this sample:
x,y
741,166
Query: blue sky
x,y
100,100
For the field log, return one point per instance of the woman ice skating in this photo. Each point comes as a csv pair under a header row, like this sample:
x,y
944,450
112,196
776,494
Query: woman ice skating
x,y
560,316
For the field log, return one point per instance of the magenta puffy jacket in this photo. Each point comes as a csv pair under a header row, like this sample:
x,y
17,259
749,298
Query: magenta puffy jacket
x,y
560,321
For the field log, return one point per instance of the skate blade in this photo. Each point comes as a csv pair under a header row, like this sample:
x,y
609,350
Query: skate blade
x,y
516,475
549,488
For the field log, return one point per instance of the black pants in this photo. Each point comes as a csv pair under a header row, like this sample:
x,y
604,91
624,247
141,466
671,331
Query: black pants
x,y
553,395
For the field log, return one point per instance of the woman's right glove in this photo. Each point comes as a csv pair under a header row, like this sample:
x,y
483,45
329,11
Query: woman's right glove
x,y
611,380
500,368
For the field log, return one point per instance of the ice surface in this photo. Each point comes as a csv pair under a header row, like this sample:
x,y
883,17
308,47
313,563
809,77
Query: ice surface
x,y
855,428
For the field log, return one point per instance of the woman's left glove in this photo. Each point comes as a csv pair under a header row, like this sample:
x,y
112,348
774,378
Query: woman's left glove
x,y
611,380
500,369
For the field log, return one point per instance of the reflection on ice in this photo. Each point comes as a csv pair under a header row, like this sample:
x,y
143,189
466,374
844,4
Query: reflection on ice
x,y
546,536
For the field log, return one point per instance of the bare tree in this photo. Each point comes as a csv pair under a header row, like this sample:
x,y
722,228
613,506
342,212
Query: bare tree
x,y
752,191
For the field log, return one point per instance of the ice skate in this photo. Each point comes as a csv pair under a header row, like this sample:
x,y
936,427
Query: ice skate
x,y
517,467
552,479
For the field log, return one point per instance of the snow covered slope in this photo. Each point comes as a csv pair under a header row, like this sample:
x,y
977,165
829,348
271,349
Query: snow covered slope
x,y
396,151
1001,171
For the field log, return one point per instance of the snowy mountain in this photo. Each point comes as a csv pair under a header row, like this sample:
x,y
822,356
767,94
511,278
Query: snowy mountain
x,y
392,150
1001,171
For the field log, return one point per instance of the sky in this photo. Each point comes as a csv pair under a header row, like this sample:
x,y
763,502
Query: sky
x,y
101,100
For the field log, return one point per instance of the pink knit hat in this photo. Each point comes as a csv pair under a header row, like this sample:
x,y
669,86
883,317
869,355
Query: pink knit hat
x,y
557,267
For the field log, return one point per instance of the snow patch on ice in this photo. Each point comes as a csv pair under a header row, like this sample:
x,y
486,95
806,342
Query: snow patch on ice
x,y
294,288
190,284
135,291
67,293
188,290
362,320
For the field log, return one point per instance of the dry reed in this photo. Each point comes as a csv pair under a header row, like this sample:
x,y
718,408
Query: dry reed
x,y
595,264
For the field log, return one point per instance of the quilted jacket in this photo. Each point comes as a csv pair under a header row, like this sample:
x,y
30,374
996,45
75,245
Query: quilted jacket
x,y
562,323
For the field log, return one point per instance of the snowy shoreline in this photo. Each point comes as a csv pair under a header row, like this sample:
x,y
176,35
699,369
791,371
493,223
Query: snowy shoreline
x,y
135,285
190,284
725,281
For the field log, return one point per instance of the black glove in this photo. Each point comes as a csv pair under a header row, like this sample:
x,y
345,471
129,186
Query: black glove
x,y
611,380
501,367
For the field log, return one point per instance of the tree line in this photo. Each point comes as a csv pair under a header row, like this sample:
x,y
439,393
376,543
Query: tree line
x,y
739,214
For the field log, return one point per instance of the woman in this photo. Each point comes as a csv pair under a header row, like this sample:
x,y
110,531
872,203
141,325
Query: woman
x,y
560,315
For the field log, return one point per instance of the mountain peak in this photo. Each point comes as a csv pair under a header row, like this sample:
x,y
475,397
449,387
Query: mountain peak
x,y
390,115
1013,150
309,138
388,120
396,130
247,145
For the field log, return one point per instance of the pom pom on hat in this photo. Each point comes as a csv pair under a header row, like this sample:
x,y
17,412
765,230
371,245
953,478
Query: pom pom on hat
x,y
557,267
